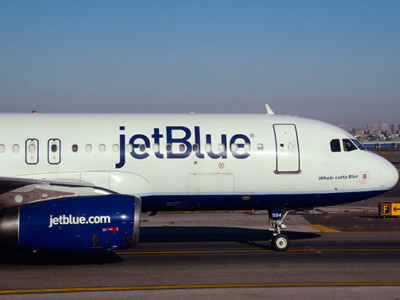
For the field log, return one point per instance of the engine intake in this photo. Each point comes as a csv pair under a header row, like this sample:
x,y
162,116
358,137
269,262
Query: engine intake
x,y
80,223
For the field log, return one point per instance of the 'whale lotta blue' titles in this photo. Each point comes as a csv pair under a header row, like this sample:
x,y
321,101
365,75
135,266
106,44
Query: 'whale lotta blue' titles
x,y
180,135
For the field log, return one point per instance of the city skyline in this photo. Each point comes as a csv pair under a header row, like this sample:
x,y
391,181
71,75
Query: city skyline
x,y
375,131
337,62
375,125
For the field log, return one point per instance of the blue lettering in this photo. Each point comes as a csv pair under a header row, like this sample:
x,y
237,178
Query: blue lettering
x,y
197,141
121,149
179,138
171,140
240,146
135,146
211,153
156,137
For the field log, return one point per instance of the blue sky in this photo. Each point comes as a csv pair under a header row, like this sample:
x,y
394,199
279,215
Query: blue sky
x,y
337,61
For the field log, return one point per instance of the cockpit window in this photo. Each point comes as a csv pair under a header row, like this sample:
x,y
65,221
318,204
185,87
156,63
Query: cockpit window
x,y
335,145
358,144
348,145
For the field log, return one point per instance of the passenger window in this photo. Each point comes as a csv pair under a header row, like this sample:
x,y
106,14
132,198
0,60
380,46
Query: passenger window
x,y
102,148
348,145
335,145
182,147
115,148
156,148
169,147
221,148
15,148
142,147
195,147
88,148
234,147
260,147
2,148
32,148
74,148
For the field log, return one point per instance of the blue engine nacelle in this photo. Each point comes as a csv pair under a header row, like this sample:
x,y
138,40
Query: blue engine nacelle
x,y
79,223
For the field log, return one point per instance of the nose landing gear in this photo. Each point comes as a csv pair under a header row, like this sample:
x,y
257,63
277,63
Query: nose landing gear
x,y
279,242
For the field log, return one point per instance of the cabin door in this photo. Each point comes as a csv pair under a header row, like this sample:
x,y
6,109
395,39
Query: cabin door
x,y
287,148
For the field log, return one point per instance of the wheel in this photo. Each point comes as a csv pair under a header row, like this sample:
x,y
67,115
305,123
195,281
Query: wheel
x,y
280,242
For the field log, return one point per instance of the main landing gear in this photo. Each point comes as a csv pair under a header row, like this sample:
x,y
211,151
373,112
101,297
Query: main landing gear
x,y
279,242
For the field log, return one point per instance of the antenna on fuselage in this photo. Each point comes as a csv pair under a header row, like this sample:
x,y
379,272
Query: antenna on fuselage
x,y
269,110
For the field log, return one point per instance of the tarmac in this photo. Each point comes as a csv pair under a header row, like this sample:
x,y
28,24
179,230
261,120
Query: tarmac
x,y
337,252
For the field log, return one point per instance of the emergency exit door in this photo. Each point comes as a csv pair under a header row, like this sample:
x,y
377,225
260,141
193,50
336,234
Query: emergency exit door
x,y
31,151
287,148
54,151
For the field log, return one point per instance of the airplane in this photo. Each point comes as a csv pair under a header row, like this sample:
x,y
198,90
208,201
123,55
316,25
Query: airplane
x,y
80,181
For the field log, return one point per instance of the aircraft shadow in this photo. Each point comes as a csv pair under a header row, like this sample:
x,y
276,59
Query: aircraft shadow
x,y
172,234
254,237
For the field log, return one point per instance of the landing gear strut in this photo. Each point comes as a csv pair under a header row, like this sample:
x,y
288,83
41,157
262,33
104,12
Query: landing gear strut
x,y
279,242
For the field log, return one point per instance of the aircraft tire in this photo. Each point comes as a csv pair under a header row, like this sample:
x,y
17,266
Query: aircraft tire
x,y
280,242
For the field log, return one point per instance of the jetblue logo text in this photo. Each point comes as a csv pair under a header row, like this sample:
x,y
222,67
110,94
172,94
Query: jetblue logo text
x,y
180,137
70,220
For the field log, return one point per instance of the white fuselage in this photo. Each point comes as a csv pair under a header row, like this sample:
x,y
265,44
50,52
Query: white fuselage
x,y
195,161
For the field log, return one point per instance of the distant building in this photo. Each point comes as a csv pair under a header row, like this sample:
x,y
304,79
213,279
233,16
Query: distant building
x,y
395,128
373,126
373,131
358,132
385,127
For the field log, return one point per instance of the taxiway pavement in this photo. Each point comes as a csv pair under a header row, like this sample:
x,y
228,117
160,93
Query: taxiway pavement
x,y
226,255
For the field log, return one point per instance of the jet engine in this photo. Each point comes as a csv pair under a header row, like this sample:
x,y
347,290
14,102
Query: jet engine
x,y
73,224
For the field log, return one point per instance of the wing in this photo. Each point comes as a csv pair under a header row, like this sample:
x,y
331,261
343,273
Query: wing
x,y
19,191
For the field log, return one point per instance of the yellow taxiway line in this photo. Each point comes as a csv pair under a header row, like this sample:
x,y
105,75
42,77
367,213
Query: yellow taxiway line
x,y
255,251
198,286
323,228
